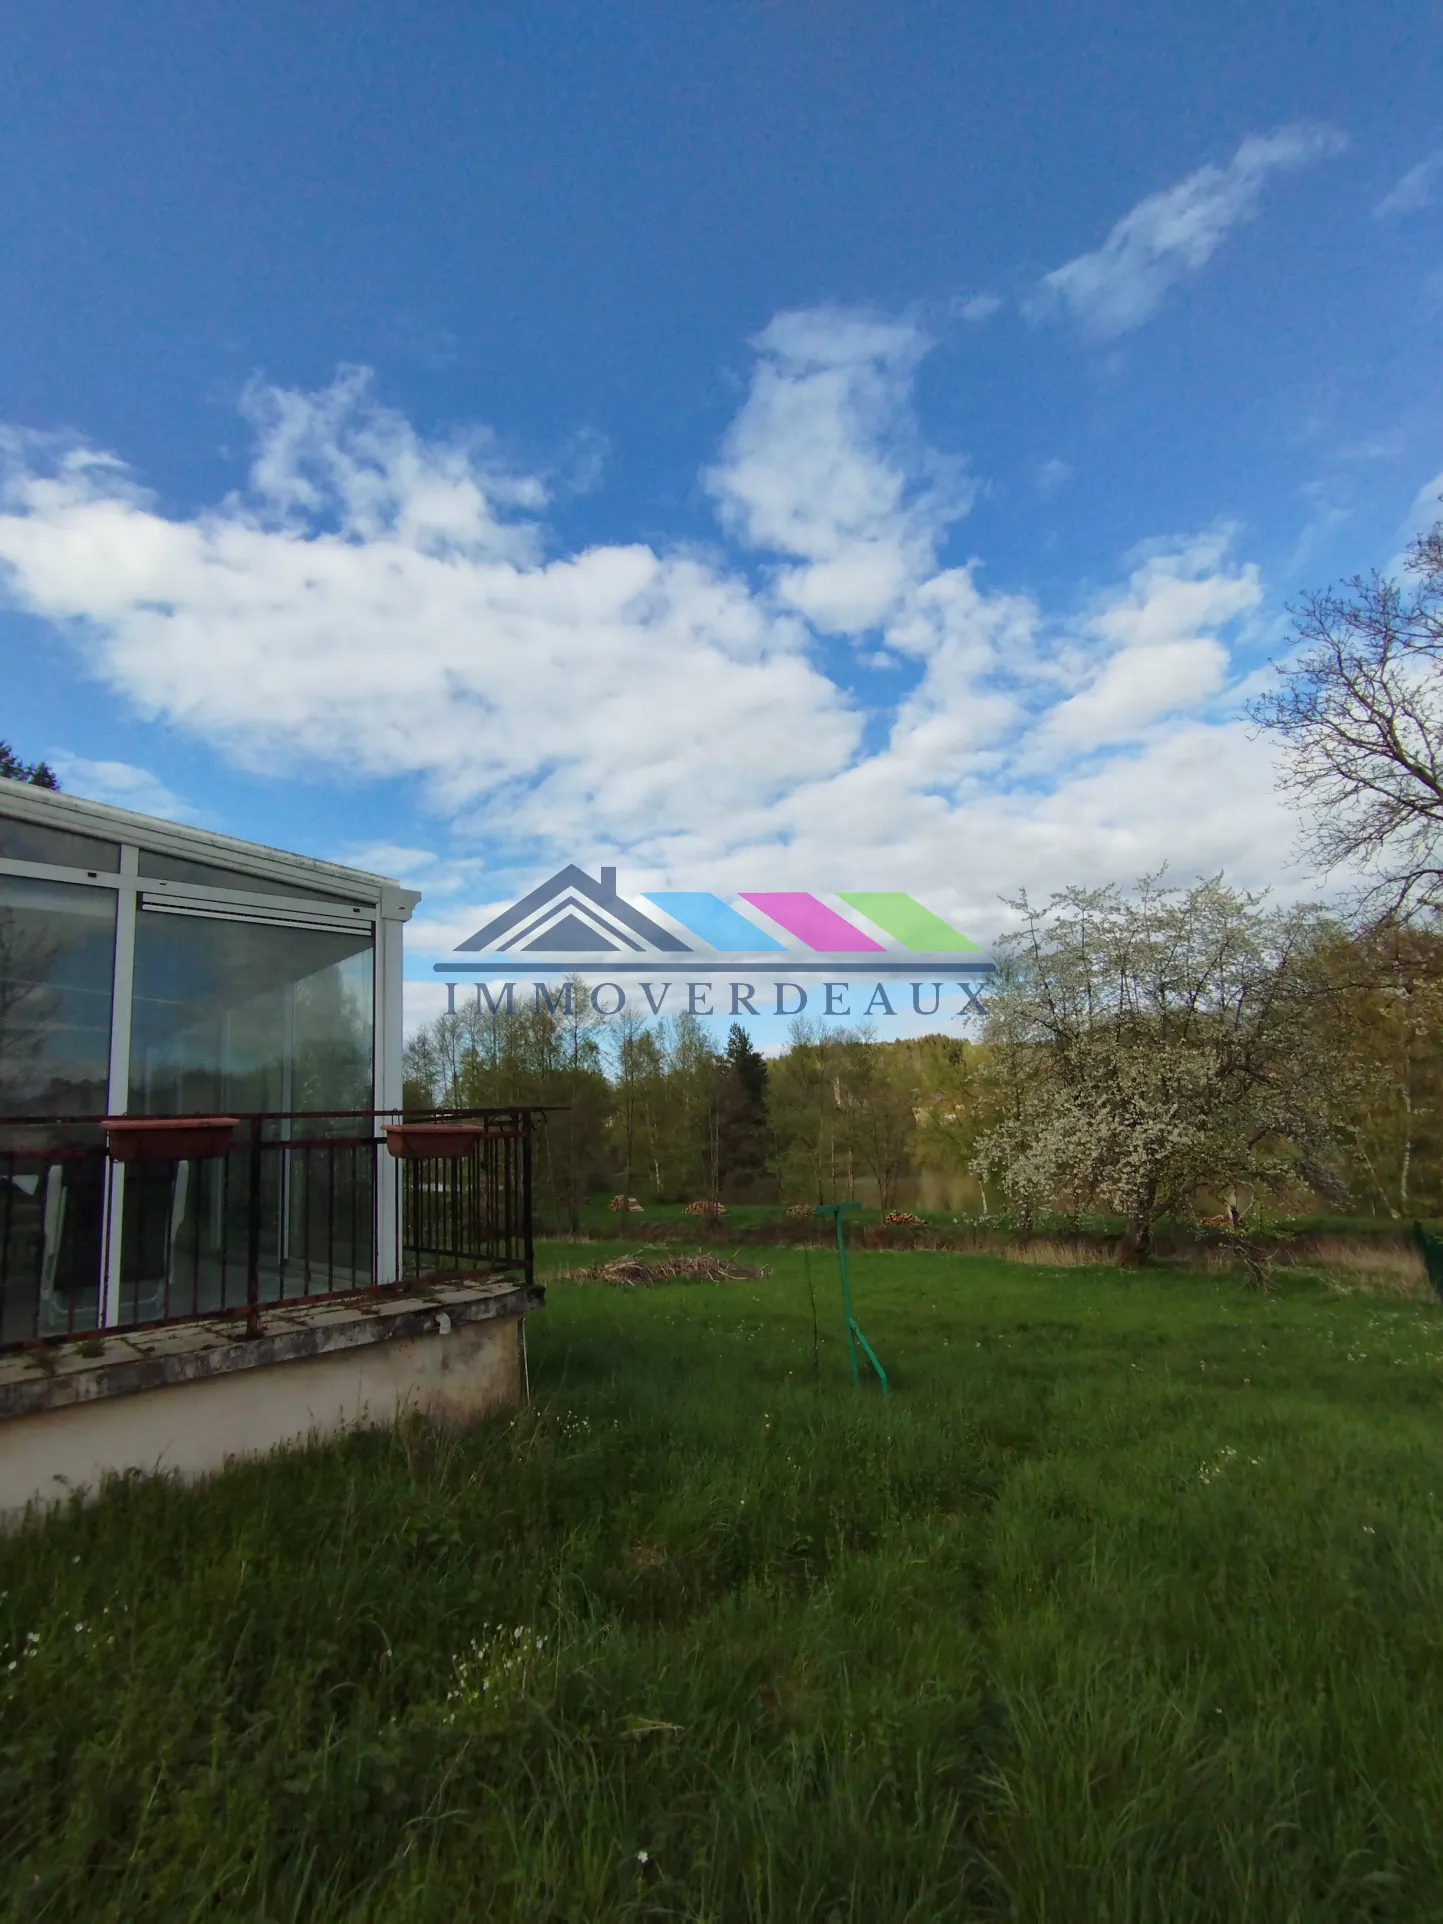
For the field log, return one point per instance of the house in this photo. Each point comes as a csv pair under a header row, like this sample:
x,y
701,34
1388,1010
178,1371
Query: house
x,y
200,1062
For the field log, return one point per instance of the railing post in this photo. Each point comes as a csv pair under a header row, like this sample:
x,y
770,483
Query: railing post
x,y
253,1235
527,1127
388,1188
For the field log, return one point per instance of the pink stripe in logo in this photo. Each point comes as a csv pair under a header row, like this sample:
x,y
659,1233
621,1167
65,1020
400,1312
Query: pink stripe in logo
x,y
814,923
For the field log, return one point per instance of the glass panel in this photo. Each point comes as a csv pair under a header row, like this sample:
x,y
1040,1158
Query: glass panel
x,y
57,959
234,1017
171,868
30,842
52,1211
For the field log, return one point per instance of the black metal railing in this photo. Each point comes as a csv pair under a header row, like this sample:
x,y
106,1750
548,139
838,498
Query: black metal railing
x,y
293,1208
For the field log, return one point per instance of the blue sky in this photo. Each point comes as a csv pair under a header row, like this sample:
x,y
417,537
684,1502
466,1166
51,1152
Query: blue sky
x,y
771,445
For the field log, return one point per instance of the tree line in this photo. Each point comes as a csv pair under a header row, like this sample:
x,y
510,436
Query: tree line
x,y
1182,1052
657,1110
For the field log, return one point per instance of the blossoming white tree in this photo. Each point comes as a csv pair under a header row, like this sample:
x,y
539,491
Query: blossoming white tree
x,y
1147,1052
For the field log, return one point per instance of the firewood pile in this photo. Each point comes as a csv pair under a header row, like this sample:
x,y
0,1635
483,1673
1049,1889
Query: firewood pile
x,y
705,1209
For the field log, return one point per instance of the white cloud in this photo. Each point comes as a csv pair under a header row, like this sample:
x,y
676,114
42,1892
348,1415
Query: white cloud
x,y
823,464
121,784
1175,590
423,1000
1413,192
390,858
340,457
421,868
1150,650
1427,508
1054,474
977,307
382,605
1175,233
367,607
1133,688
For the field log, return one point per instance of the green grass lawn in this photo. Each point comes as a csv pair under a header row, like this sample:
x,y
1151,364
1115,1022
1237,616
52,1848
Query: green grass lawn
x,y
1127,1604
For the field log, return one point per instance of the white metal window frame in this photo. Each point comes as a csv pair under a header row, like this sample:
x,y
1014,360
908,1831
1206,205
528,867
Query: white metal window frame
x,y
384,916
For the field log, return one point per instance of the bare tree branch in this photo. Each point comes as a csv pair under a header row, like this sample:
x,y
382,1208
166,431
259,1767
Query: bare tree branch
x,y
1360,715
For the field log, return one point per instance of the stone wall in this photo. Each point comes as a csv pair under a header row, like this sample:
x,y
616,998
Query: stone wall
x,y
188,1399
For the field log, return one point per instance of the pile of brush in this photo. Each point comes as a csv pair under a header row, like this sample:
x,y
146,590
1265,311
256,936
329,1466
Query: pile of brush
x,y
631,1272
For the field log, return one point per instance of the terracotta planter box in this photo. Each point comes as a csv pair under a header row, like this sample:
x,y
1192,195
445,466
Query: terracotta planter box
x,y
431,1141
169,1138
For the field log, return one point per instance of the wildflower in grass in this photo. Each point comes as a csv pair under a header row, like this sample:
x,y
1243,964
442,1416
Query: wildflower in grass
x,y
495,1671
1210,1472
573,1427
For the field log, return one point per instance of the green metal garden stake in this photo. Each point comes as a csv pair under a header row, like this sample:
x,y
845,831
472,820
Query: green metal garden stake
x,y
854,1333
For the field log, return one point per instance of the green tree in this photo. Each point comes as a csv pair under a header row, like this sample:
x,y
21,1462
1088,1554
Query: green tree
x,y
13,769
578,1130
955,1105
1388,1005
742,1145
803,1113
636,1072
482,1057
878,1098
688,1104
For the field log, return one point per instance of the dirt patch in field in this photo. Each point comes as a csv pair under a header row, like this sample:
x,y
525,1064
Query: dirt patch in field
x,y
633,1272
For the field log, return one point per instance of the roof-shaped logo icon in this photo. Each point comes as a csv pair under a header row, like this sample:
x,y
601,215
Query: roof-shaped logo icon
x,y
573,923
570,916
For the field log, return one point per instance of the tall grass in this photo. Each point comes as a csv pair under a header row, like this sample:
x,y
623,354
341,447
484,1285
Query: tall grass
x,y
1127,1604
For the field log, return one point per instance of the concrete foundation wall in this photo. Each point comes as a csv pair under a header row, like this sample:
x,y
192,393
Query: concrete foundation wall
x,y
191,1429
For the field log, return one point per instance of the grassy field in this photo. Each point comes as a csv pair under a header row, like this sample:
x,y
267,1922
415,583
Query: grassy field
x,y
1297,1240
1126,1605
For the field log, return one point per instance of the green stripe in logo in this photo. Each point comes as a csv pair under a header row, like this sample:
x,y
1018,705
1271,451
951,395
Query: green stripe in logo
x,y
908,922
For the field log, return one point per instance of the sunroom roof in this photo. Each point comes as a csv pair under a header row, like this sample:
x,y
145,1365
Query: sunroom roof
x,y
178,843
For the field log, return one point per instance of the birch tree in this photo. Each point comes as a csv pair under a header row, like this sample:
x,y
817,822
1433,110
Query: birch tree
x,y
877,1094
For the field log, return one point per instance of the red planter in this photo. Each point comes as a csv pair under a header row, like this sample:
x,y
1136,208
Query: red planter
x,y
168,1138
431,1141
